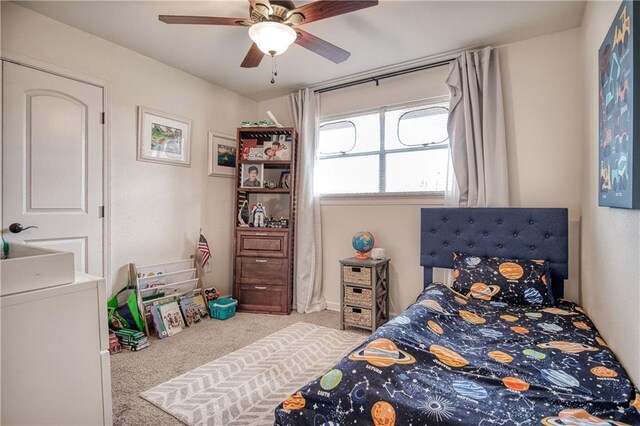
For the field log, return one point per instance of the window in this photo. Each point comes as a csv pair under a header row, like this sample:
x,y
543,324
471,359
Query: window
x,y
400,149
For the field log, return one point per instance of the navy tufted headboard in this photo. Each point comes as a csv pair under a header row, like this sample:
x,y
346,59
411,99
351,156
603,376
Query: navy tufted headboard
x,y
523,233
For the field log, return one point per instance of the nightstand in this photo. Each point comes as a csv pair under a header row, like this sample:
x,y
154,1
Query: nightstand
x,y
364,293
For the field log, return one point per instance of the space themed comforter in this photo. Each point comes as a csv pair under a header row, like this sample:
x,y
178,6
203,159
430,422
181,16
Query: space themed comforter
x,y
450,360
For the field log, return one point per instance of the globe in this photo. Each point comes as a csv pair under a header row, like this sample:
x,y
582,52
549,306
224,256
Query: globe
x,y
363,243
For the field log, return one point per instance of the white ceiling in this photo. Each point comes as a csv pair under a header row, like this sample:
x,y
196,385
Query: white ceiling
x,y
393,32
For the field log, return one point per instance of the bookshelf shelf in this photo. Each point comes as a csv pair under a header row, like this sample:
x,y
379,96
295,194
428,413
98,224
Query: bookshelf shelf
x,y
265,190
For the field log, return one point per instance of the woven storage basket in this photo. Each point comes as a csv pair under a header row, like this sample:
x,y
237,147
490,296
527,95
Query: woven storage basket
x,y
358,296
356,275
357,316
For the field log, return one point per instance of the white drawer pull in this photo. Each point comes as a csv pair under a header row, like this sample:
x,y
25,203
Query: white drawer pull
x,y
261,260
260,287
261,234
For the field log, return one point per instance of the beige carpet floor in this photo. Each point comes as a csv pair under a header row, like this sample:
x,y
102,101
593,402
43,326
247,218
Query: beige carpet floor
x,y
135,372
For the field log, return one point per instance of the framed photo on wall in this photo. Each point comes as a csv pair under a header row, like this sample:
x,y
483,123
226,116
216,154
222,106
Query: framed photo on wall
x,y
619,89
252,176
163,138
222,155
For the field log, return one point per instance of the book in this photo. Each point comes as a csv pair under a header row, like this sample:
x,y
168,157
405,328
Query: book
x,y
171,317
193,308
256,153
247,145
148,285
161,332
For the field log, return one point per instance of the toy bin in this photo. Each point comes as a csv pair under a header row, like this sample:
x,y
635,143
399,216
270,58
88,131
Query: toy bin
x,y
222,308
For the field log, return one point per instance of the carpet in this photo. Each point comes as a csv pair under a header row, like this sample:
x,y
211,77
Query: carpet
x,y
245,386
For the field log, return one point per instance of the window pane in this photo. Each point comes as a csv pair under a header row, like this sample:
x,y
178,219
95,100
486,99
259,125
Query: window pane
x,y
415,126
423,126
347,175
368,133
336,137
417,171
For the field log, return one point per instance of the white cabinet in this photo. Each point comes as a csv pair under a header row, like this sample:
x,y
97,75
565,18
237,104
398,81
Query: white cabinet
x,y
54,360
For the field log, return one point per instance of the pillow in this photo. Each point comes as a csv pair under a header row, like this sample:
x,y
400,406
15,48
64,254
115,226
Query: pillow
x,y
512,281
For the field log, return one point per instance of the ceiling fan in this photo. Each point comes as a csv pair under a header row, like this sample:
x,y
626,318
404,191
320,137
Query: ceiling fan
x,y
273,26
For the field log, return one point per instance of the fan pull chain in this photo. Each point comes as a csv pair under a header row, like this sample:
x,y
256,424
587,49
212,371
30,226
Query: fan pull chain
x,y
274,69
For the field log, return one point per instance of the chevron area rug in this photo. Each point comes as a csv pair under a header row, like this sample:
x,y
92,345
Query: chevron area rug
x,y
245,386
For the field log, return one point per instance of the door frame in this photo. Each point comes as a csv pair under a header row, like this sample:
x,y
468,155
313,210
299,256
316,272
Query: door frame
x,y
48,67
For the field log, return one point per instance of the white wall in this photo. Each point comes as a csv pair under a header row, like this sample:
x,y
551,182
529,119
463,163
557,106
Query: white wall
x,y
543,121
156,210
610,237
542,109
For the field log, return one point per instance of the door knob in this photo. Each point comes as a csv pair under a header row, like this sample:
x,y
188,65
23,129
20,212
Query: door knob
x,y
16,228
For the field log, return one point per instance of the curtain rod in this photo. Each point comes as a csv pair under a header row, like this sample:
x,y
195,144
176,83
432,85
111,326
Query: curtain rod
x,y
377,78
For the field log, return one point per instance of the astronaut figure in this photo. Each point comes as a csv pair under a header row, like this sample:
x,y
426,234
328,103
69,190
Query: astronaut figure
x,y
259,215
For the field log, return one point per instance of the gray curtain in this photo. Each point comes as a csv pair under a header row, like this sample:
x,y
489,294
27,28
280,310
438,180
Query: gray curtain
x,y
477,130
305,110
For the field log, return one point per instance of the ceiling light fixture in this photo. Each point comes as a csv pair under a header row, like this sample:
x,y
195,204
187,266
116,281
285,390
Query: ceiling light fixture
x,y
273,38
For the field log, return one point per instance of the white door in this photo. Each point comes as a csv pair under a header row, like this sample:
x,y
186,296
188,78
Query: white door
x,y
52,169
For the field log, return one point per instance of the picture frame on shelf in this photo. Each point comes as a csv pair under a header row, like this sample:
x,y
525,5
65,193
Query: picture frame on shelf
x,y
285,180
163,138
277,150
252,176
249,145
256,153
221,155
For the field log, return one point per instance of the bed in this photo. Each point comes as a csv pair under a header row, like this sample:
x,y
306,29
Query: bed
x,y
457,360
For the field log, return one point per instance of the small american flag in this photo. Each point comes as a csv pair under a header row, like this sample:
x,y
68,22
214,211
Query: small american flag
x,y
203,248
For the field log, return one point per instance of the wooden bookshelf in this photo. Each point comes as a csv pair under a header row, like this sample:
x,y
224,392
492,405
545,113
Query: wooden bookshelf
x,y
263,256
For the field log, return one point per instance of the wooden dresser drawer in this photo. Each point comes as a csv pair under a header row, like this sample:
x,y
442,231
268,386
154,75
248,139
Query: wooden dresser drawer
x,y
258,270
262,297
262,243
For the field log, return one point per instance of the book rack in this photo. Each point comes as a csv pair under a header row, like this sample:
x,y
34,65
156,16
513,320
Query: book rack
x,y
163,282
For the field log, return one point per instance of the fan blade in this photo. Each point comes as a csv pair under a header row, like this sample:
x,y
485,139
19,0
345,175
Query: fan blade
x,y
200,20
321,47
326,9
253,58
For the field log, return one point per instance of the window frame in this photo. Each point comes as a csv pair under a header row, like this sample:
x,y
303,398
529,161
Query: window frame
x,y
440,101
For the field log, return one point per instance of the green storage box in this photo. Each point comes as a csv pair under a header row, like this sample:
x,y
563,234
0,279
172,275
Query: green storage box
x,y
222,308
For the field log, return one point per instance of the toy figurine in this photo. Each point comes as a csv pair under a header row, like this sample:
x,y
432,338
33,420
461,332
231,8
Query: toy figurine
x,y
243,215
259,214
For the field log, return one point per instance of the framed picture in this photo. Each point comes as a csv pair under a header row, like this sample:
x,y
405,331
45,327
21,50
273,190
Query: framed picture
x,y
277,150
163,138
252,175
619,140
285,180
249,149
222,155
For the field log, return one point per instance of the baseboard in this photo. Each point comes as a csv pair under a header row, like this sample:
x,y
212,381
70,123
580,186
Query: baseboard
x,y
333,306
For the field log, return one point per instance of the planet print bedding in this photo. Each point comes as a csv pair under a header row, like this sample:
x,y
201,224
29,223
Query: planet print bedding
x,y
453,360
